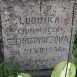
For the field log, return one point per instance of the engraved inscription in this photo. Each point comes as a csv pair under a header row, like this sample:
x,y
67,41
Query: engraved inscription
x,y
37,33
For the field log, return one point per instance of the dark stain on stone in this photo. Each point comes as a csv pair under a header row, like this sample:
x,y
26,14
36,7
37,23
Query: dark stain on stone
x,y
1,42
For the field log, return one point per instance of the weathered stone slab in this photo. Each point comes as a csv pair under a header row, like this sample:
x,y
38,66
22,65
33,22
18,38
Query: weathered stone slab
x,y
36,33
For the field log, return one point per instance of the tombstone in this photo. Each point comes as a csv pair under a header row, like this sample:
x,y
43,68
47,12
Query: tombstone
x,y
36,33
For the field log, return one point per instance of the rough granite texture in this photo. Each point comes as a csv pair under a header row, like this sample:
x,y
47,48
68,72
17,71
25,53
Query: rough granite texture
x,y
36,33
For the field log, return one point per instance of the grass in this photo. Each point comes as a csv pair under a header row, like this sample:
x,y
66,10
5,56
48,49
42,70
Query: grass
x,y
75,50
6,70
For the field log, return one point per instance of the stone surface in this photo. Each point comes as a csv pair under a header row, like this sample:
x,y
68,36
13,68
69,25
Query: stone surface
x,y
36,33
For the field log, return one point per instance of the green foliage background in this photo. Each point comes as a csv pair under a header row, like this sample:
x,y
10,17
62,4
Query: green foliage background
x,y
75,50
7,70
